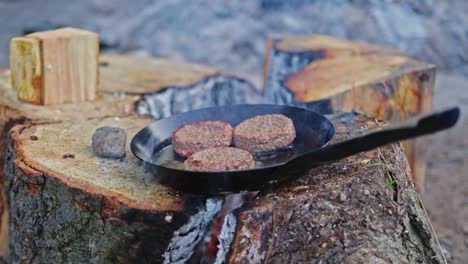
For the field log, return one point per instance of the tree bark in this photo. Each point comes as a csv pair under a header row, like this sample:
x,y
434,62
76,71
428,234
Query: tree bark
x,y
349,211
128,85
327,74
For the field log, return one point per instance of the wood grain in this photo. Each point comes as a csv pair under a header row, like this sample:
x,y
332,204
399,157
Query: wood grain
x,y
65,63
26,66
120,180
148,75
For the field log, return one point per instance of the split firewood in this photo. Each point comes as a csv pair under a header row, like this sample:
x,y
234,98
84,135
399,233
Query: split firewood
x,y
55,67
327,74
361,209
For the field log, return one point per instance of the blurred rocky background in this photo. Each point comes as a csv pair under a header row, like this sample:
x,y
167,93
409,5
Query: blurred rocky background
x,y
231,35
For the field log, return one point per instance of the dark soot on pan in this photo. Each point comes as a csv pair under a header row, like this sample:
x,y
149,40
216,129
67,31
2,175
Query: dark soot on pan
x,y
166,157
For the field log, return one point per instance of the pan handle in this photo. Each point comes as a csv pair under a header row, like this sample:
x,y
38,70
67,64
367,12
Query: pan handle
x,y
425,125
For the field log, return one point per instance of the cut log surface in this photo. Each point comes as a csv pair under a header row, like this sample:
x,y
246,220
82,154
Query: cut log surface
x,y
148,75
68,206
146,90
327,74
362,209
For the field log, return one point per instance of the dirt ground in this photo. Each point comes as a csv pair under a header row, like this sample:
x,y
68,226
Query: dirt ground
x,y
446,194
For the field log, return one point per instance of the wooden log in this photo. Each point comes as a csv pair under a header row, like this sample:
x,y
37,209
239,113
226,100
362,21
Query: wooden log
x,y
143,92
55,67
68,206
13,111
141,75
327,74
362,209
196,86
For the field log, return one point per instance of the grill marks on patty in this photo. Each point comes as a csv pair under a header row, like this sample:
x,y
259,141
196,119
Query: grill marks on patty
x,y
220,159
201,135
264,133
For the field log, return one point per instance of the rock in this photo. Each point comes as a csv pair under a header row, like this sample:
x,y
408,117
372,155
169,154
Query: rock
x,y
446,253
343,197
109,142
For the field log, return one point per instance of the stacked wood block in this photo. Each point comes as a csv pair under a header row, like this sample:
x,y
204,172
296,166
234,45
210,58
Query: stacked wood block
x,y
55,67
328,74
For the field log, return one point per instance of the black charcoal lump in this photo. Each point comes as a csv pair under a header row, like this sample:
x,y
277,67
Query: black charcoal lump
x,y
109,142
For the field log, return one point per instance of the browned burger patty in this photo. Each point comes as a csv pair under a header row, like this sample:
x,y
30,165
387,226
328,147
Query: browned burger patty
x,y
197,136
264,133
220,159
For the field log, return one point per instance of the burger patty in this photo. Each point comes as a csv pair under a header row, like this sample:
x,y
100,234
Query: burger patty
x,y
197,136
220,159
264,133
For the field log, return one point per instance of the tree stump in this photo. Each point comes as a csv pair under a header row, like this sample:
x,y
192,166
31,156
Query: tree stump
x,y
327,74
362,209
68,206
147,86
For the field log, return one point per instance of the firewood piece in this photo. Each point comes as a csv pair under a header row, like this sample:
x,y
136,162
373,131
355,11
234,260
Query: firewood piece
x,y
362,209
85,210
25,63
109,142
327,74
55,67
